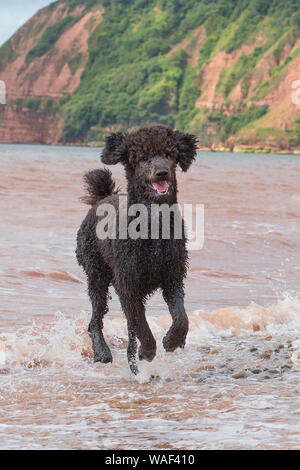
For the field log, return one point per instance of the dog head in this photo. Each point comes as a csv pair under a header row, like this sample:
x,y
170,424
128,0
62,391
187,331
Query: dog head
x,y
150,157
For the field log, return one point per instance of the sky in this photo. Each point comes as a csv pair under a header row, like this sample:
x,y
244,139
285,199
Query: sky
x,y
14,13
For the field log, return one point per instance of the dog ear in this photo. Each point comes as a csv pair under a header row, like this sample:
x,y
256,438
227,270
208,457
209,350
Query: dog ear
x,y
187,149
114,151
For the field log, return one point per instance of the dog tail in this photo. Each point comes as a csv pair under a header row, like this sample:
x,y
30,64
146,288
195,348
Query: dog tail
x,y
98,184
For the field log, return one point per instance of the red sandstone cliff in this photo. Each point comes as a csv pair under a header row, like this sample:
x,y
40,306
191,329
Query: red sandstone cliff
x,y
47,77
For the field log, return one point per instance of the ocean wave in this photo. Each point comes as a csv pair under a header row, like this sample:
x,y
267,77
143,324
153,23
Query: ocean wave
x,y
65,340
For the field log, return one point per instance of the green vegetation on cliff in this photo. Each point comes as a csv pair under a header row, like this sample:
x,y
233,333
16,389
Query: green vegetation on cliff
x,y
131,79
49,38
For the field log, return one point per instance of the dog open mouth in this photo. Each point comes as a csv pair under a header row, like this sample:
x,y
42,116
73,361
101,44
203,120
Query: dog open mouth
x,y
160,187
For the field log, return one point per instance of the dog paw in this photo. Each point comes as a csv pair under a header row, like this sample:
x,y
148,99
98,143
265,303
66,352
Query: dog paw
x,y
170,343
147,355
104,356
133,367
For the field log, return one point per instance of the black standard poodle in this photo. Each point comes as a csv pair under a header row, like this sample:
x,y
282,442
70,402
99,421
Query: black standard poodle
x,y
136,266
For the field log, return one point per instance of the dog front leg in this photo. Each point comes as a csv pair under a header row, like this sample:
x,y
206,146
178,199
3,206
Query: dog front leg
x,y
134,310
176,335
100,349
132,351
98,295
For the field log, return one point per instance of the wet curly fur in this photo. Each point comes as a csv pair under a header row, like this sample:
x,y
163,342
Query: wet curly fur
x,y
136,267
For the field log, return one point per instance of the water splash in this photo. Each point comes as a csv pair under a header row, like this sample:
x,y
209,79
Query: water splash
x,y
65,341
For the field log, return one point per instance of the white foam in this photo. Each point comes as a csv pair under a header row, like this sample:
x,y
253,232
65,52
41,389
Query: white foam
x,y
65,341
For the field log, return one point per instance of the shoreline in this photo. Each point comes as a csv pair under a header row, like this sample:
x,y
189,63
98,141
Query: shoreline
x,y
252,150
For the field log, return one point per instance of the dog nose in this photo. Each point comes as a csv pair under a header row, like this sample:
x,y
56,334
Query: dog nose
x,y
161,172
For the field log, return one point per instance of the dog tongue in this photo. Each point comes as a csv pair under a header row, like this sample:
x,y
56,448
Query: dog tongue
x,y
161,186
